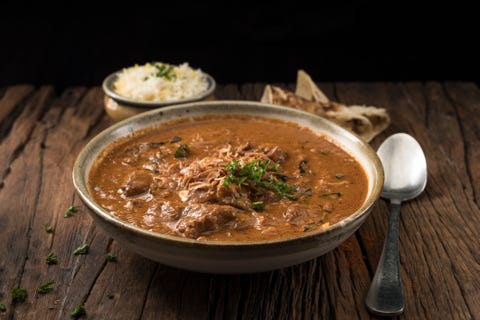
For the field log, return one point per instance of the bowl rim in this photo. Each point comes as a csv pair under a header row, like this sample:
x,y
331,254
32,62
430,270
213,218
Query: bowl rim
x,y
107,86
81,185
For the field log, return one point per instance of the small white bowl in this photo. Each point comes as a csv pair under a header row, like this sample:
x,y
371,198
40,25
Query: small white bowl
x,y
229,257
119,107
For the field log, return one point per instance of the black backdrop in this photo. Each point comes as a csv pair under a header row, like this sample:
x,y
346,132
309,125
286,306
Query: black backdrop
x,y
338,41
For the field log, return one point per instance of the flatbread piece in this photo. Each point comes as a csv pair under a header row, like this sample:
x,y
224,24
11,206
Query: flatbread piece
x,y
365,121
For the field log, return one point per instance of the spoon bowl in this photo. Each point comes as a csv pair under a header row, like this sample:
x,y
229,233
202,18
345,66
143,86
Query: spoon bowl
x,y
405,167
405,170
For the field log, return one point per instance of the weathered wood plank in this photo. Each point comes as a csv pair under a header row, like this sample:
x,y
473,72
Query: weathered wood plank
x,y
75,274
40,240
56,160
23,127
21,154
128,280
465,98
11,98
17,221
171,288
228,91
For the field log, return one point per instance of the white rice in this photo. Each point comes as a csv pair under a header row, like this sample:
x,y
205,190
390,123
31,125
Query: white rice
x,y
146,83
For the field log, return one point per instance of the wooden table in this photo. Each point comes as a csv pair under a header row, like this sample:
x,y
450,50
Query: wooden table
x,y
42,131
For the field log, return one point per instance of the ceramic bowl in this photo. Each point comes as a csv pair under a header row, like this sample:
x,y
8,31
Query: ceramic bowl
x,y
229,257
119,107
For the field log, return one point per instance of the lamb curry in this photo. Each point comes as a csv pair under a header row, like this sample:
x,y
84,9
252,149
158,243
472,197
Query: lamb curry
x,y
234,178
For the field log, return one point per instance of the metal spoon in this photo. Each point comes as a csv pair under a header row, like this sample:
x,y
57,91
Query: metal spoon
x,y
405,178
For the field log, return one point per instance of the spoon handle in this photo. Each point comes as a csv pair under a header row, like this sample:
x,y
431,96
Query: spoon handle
x,y
385,296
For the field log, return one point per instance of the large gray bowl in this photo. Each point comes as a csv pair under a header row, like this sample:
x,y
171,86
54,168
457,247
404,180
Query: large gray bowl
x,y
229,257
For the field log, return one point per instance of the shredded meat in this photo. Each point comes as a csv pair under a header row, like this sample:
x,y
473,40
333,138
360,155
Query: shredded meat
x,y
202,180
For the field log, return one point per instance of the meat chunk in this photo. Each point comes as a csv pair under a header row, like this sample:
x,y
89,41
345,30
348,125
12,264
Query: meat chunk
x,y
200,219
232,195
298,214
138,183
164,211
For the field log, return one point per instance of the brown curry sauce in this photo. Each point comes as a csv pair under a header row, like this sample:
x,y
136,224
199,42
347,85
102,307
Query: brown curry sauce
x,y
228,179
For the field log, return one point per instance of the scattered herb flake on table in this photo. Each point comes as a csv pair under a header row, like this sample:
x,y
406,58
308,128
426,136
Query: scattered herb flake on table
x,y
83,249
111,257
19,295
51,259
70,211
78,311
2,307
48,228
45,287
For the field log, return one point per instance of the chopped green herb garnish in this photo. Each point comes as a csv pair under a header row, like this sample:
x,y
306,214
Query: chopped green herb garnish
x,y
301,166
19,295
70,211
48,228
110,295
111,257
258,206
232,167
51,259
333,195
45,287
339,176
78,311
175,139
82,249
164,71
2,307
257,174
182,151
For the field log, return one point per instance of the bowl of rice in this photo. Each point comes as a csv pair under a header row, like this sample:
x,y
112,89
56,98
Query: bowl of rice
x,y
141,88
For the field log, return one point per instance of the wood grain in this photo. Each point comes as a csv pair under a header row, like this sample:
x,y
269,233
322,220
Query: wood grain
x,y
42,132
11,99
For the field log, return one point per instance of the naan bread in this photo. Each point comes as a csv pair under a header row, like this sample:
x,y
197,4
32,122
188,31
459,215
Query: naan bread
x,y
366,122
307,89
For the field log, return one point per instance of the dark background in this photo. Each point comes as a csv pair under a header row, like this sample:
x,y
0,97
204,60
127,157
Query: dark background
x,y
338,41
